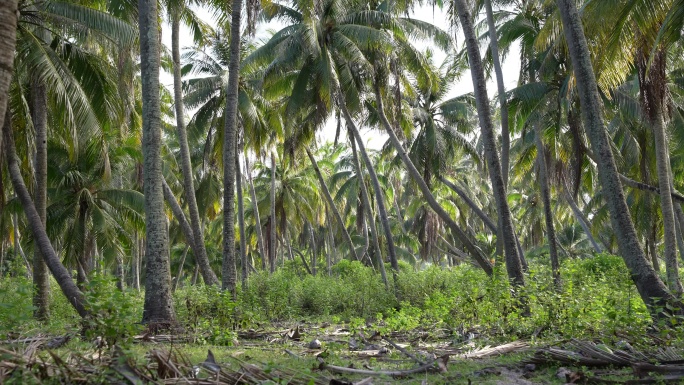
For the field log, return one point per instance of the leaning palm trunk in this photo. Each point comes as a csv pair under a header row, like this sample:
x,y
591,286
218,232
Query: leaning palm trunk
x,y
199,250
61,274
513,259
158,308
546,199
8,32
382,211
369,215
503,105
580,218
652,290
477,255
41,283
331,204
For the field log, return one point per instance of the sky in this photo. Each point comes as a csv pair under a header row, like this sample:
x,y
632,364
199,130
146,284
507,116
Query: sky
x,y
373,137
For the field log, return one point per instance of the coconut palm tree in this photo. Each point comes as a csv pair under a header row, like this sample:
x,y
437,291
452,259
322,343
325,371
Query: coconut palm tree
x,y
652,290
158,308
513,259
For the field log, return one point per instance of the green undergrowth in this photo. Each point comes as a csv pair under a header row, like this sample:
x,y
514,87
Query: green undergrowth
x,y
597,298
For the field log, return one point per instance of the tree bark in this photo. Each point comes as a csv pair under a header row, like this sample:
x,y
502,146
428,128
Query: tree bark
x,y
257,219
546,199
199,250
417,178
478,211
229,144
652,290
41,282
382,210
503,105
581,219
272,238
158,307
241,220
513,259
8,32
61,274
331,204
369,215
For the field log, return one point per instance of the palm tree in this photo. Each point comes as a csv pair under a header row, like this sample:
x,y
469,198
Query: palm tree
x,y
229,143
8,14
62,276
178,11
652,290
158,308
513,259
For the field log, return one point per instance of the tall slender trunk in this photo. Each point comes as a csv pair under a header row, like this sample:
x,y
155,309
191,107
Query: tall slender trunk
x,y
649,216
331,204
18,250
314,251
417,178
120,275
135,262
257,218
330,255
241,220
652,290
179,276
369,214
653,90
546,199
229,144
8,31
580,218
380,199
42,242
513,259
272,238
199,250
503,105
41,282
158,307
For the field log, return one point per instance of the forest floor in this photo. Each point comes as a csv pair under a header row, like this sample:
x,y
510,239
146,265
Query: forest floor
x,y
324,353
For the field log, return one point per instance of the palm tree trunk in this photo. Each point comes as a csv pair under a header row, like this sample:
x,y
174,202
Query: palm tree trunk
x,y
513,259
369,214
417,178
18,250
481,214
503,105
229,144
382,210
241,220
42,242
649,209
199,250
331,204
314,251
8,31
546,199
580,218
272,221
135,262
257,218
330,256
41,283
679,217
652,290
179,276
158,307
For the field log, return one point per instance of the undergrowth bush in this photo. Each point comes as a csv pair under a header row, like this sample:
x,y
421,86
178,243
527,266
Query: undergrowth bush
x,y
597,298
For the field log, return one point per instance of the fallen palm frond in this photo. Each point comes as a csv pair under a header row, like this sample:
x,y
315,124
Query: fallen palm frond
x,y
160,367
663,366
